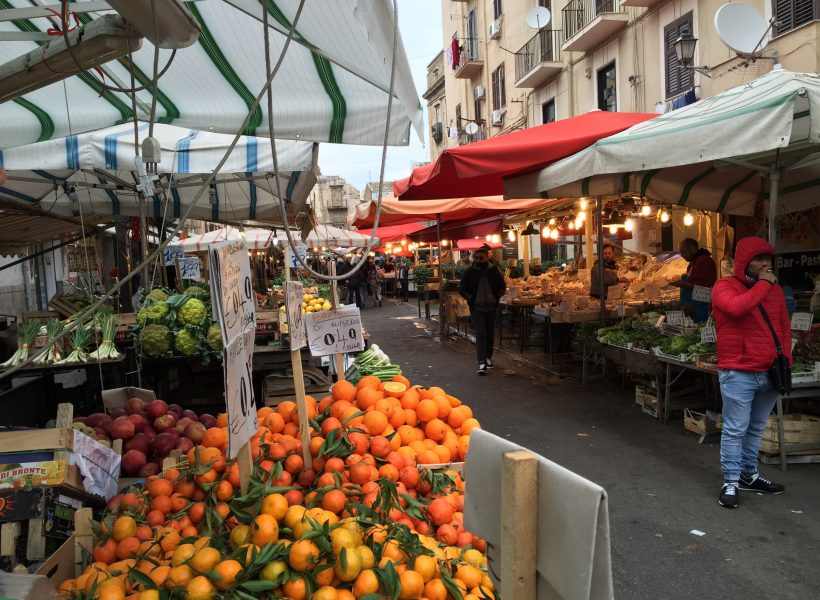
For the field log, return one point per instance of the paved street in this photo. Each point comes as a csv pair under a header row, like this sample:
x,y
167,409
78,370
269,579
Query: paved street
x,y
661,483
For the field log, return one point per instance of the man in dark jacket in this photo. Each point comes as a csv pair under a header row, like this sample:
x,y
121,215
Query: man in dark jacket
x,y
482,285
701,272
745,353
610,274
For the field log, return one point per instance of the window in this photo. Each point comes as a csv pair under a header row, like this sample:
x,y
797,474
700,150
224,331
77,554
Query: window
x,y
548,111
497,10
678,79
458,116
607,97
499,88
472,37
438,113
337,196
477,107
791,14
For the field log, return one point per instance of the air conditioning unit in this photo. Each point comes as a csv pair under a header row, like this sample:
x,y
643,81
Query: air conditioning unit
x,y
495,29
497,117
480,91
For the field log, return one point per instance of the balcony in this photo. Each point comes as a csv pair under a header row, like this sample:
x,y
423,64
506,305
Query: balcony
x,y
539,60
469,62
642,3
466,138
589,23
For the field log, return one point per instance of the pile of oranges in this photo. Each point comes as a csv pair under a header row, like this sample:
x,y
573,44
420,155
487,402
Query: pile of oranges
x,y
364,517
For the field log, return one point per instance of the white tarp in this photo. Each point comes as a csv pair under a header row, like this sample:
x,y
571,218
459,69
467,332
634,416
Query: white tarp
x,y
256,239
330,236
681,158
332,86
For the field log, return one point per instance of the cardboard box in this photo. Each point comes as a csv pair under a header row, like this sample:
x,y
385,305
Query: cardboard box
x,y
117,397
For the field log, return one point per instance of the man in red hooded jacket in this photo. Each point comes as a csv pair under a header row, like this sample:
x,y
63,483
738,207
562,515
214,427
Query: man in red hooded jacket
x,y
746,352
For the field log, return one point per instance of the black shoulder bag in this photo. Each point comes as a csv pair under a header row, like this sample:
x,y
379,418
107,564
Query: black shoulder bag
x,y
780,373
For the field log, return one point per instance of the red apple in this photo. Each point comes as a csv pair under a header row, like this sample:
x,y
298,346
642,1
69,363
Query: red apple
x,y
184,444
182,423
208,420
133,461
156,408
194,432
80,420
149,433
164,423
96,419
139,442
163,444
149,469
190,414
139,422
122,429
116,414
134,406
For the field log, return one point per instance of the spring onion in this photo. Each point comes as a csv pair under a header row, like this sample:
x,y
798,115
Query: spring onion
x,y
374,361
54,349
106,350
79,339
28,333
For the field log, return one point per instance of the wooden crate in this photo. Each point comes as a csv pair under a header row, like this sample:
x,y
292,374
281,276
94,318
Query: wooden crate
x,y
647,399
698,422
801,435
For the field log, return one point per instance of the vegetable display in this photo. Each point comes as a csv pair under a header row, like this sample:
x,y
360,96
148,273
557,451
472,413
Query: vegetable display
x,y
79,340
28,332
54,349
107,350
374,361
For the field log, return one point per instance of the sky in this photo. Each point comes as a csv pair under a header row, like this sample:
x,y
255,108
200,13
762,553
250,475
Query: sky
x,y
420,27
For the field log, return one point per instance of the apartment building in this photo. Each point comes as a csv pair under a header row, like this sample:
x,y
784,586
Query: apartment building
x,y
332,199
371,190
501,73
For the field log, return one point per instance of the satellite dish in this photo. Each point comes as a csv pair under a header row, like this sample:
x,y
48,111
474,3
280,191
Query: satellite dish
x,y
538,17
741,28
471,128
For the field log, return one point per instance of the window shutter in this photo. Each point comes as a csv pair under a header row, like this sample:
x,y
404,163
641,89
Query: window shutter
x,y
502,87
793,13
678,79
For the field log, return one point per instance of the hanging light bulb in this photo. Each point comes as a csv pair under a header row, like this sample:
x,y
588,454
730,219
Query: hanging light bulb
x,y
646,210
444,243
404,242
629,224
578,222
552,221
488,238
554,234
546,233
613,229
496,238
511,235
582,216
583,204
688,219
664,216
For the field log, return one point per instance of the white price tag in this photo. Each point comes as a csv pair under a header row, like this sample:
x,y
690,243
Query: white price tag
x,y
334,331
707,334
242,423
170,253
190,268
674,317
702,294
802,321
621,309
294,292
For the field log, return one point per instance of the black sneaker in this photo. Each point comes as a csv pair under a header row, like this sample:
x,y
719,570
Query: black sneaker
x,y
756,483
489,363
728,495
482,368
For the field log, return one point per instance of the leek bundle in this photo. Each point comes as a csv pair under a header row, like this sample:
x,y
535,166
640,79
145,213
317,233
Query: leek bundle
x,y
106,350
54,349
79,339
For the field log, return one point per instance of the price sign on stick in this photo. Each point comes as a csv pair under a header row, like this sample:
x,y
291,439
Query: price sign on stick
x,y
294,292
674,317
701,293
235,309
170,253
334,331
190,268
707,334
802,321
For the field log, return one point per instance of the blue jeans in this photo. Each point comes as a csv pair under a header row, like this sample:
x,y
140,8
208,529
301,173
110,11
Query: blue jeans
x,y
748,399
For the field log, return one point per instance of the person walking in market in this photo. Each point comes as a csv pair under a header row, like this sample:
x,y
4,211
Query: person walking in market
x,y
753,328
404,279
374,280
482,285
701,271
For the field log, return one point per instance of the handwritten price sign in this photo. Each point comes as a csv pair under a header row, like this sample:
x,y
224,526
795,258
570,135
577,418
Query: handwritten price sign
x,y
235,309
674,317
334,331
294,292
701,293
190,268
802,321
170,253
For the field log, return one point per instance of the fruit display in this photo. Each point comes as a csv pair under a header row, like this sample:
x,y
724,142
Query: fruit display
x,y
149,432
362,520
178,324
312,303
806,350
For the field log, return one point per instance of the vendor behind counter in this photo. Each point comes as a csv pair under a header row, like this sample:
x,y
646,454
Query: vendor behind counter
x,y
610,274
701,271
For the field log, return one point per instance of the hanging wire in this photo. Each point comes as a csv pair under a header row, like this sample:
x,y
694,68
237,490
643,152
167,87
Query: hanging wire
x,y
89,311
370,243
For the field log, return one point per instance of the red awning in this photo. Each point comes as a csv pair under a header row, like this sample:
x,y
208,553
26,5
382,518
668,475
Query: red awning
x,y
475,244
460,230
392,233
395,212
477,169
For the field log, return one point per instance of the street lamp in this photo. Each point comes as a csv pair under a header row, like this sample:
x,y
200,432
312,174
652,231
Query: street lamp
x,y
685,52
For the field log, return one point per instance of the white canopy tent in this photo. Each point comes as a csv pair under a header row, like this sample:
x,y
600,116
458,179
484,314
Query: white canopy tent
x,y
332,86
334,237
720,154
255,239
89,178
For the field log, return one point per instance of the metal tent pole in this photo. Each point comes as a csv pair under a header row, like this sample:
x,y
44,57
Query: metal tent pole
x,y
600,230
774,191
441,315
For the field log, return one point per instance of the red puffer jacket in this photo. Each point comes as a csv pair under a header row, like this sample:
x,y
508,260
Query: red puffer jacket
x,y
744,341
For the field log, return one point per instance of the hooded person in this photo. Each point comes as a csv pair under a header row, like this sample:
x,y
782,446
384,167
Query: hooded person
x,y
482,285
749,310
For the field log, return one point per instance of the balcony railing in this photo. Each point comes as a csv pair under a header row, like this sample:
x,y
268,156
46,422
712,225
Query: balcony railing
x,y
580,12
469,61
466,138
543,47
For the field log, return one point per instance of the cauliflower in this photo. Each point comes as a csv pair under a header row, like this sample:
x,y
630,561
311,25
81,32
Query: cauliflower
x,y
193,312
194,290
158,294
215,338
186,342
155,340
153,313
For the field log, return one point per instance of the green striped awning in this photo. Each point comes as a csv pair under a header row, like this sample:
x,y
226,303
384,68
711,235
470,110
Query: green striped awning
x,y
332,87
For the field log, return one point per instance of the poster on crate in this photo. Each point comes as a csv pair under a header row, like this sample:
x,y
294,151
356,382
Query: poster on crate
x,y
234,304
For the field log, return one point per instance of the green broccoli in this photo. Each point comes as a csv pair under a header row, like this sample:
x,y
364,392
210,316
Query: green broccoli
x,y
214,338
192,312
153,313
155,340
186,342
